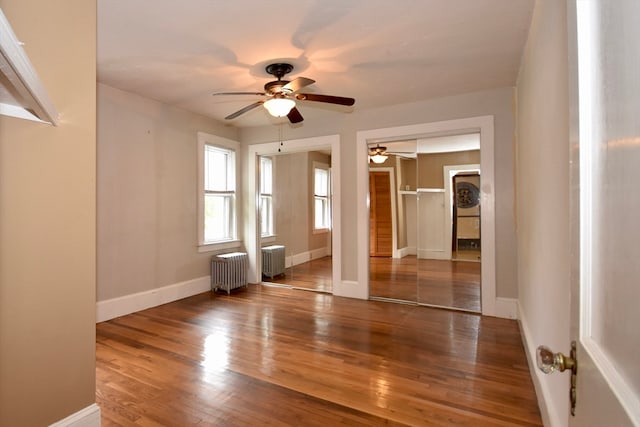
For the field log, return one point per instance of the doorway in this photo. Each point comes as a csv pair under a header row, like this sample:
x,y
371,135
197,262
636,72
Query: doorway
x,y
381,234
466,232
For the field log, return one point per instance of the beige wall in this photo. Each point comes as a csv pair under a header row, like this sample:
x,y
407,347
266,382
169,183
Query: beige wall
x,y
543,197
293,202
291,194
497,102
147,193
47,223
409,173
431,166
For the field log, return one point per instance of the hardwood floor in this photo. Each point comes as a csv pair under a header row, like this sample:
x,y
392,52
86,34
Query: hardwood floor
x,y
312,275
283,357
454,284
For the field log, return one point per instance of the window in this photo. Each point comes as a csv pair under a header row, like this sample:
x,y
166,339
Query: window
x,y
266,196
322,209
217,204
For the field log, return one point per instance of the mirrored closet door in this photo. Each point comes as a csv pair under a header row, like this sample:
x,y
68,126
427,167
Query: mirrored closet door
x,y
430,189
295,219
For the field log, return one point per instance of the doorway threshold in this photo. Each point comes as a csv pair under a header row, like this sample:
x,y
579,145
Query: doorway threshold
x,y
421,304
297,288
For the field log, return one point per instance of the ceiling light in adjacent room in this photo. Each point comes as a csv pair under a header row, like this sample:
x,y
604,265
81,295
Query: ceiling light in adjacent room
x,y
378,154
378,158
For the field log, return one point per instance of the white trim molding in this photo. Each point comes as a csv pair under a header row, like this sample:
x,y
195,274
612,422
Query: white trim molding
x,y
350,289
87,417
548,410
121,306
506,308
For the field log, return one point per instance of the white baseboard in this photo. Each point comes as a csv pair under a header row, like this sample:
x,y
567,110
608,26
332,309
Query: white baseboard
x,y
548,413
351,289
87,417
408,250
307,256
433,254
506,308
128,304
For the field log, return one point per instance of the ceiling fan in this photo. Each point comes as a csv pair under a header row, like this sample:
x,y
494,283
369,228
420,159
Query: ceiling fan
x,y
379,154
282,94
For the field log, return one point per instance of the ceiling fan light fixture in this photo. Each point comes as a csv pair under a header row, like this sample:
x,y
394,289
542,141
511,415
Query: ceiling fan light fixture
x,y
378,158
279,107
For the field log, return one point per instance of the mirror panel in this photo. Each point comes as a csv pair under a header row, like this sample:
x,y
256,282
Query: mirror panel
x,y
307,251
427,236
442,280
394,277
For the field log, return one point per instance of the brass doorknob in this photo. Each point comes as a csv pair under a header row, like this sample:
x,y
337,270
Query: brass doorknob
x,y
549,362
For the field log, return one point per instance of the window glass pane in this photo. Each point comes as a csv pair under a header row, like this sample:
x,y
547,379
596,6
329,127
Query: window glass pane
x,y
321,182
218,169
266,171
266,216
320,213
217,218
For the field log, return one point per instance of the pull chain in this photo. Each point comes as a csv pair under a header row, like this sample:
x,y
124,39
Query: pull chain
x,y
280,137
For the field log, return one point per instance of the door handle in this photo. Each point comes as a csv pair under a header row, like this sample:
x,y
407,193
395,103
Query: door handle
x,y
549,362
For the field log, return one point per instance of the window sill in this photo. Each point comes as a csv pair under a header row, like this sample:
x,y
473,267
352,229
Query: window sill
x,y
211,247
321,230
268,239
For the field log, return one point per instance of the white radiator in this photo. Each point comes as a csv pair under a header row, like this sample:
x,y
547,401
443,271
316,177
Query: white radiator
x,y
273,260
229,271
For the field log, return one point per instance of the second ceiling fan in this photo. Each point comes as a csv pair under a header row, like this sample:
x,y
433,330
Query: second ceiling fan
x,y
282,94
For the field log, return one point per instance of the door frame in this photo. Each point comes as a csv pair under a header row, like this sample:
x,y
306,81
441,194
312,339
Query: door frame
x,y
449,173
485,126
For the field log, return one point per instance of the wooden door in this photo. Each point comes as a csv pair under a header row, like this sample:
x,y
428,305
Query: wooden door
x,y
606,210
380,226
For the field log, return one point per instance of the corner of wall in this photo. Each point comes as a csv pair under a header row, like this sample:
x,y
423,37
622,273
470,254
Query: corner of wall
x,y
546,403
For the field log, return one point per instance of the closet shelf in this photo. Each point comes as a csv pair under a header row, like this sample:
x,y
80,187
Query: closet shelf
x,y
22,94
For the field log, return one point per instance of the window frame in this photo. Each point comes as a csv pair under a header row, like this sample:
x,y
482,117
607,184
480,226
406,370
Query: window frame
x,y
326,199
233,196
271,228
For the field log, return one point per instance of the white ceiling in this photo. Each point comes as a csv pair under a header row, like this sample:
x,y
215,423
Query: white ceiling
x,y
379,52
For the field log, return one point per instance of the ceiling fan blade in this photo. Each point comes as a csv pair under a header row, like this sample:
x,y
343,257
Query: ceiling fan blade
x,y
325,98
240,93
244,110
297,84
294,116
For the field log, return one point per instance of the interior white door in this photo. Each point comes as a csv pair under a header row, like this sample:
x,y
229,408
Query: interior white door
x,y
605,51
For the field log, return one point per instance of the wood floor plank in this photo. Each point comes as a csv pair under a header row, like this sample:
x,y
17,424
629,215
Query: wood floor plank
x,y
282,357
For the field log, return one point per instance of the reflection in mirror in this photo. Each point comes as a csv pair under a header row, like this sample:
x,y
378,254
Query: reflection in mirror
x,y
392,223
295,219
435,222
